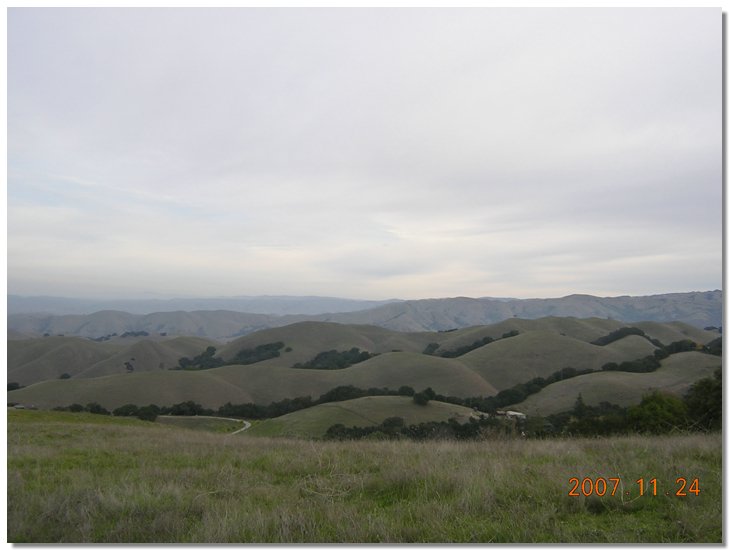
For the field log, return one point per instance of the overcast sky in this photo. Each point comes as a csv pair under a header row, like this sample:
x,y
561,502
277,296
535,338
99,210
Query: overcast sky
x,y
408,153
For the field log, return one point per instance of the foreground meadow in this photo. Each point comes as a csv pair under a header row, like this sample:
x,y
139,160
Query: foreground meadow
x,y
88,478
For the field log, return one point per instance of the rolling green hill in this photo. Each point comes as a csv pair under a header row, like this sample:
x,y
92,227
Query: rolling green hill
x,y
208,324
365,411
38,359
631,346
676,374
309,338
585,330
674,331
148,355
257,383
540,353
542,347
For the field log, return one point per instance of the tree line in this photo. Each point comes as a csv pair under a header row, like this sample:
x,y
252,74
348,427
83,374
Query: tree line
x,y
700,409
395,428
253,411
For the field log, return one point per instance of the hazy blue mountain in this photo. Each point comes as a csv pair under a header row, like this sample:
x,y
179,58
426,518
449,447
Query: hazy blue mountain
x,y
700,309
268,305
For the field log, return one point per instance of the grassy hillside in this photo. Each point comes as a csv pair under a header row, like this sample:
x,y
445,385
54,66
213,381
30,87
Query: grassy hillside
x,y
676,374
585,330
365,411
631,347
307,339
160,388
38,359
675,331
540,353
147,355
85,478
210,324
255,383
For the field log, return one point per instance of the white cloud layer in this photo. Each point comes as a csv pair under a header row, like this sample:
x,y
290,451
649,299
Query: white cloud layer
x,y
364,153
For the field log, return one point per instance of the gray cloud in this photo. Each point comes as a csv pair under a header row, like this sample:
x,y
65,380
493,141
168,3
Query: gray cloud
x,y
364,153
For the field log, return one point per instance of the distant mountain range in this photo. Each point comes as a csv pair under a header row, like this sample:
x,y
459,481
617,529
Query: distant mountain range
x,y
270,305
215,318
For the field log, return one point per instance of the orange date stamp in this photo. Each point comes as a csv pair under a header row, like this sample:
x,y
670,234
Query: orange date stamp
x,y
610,486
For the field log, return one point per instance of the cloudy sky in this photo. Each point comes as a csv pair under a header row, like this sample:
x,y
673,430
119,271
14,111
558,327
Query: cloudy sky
x,y
407,153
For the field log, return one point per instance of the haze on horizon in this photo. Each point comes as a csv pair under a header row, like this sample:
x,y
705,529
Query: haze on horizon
x,y
364,153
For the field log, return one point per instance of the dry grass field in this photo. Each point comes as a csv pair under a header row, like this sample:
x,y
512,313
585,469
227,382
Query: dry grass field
x,y
84,478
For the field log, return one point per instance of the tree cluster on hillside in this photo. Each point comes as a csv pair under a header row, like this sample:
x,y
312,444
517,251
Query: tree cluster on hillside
x,y
93,408
645,364
334,360
103,338
422,398
247,356
149,412
433,347
205,360
622,332
704,402
714,347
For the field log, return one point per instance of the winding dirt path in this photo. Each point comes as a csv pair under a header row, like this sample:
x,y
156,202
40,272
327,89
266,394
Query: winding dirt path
x,y
246,425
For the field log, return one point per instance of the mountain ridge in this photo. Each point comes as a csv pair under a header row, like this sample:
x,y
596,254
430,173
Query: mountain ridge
x,y
700,309
269,305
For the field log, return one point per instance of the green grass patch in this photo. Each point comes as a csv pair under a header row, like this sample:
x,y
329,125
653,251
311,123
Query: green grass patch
x,y
364,411
204,423
78,478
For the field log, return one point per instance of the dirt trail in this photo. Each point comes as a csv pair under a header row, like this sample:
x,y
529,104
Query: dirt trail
x,y
246,425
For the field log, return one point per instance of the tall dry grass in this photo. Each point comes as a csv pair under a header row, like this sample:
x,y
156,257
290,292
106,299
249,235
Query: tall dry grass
x,y
111,482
